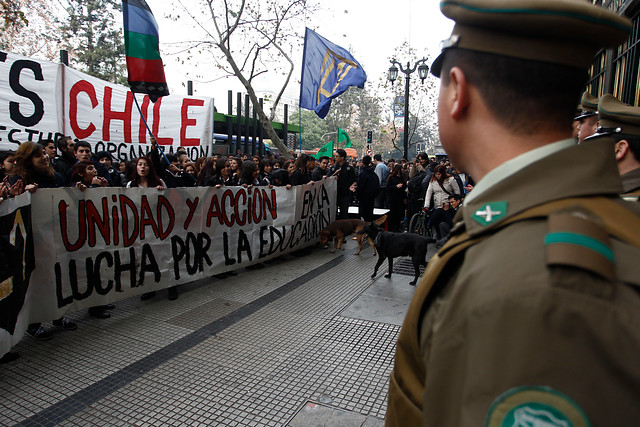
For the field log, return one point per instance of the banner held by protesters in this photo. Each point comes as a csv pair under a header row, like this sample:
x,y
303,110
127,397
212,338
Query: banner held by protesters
x,y
107,244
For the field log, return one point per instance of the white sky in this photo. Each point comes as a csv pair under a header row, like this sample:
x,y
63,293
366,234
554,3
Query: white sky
x,y
369,29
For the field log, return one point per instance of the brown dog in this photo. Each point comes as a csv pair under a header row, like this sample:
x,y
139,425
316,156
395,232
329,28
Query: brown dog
x,y
342,228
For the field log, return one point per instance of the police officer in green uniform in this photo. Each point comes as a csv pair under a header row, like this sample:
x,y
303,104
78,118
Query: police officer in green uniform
x,y
588,117
530,313
621,122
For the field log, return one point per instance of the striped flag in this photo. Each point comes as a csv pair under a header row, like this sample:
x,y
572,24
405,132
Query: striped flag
x,y
146,72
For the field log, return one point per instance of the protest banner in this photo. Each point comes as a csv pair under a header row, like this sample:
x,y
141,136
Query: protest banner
x,y
30,99
43,100
106,244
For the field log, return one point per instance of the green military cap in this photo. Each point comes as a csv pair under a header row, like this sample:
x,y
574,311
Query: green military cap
x,y
589,105
565,32
616,117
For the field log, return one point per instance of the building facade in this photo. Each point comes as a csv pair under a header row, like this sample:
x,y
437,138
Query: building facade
x,y
617,71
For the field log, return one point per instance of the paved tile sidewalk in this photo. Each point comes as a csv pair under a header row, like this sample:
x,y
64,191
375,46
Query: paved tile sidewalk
x,y
293,343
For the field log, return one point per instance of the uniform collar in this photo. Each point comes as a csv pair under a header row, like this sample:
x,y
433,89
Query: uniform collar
x,y
631,180
512,166
580,170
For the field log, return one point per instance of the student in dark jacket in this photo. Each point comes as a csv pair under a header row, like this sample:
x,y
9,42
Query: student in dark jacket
x,y
301,170
347,182
368,188
322,169
67,158
396,197
117,178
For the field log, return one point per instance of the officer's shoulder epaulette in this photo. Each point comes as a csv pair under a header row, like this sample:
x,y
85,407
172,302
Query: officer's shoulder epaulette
x,y
577,238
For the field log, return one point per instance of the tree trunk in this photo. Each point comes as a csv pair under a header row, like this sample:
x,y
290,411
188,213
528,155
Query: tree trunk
x,y
264,119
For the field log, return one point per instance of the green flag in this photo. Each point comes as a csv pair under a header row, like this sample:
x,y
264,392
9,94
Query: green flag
x,y
342,136
326,150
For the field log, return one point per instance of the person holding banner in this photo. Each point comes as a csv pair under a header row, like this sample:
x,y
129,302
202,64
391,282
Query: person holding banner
x,y
33,168
84,175
249,174
145,177
82,151
302,170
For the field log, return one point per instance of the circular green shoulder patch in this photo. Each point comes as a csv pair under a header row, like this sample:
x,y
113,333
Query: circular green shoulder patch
x,y
535,406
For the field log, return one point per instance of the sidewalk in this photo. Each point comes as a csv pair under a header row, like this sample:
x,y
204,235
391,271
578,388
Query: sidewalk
x,y
304,341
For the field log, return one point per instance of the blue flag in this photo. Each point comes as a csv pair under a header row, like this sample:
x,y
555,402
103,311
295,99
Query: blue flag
x,y
327,71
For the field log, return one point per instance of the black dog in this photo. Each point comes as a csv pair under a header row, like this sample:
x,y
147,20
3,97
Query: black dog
x,y
392,245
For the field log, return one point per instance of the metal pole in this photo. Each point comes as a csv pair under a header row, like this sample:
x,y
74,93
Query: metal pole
x,y
261,130
246,126
406,116
255,149
189,87
239,123
285,125
64,57
230,144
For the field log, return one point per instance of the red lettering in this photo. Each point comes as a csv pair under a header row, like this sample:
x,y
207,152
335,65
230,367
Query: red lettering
x,y
241,220
156,124
93,218
257,206
269,204
163,202
142,128
82,231
116,220
86,87
192,205
186,121
128,239
109,115
227,195
214,211
146,218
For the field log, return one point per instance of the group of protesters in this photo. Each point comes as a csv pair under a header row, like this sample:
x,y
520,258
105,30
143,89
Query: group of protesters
x,y
67,163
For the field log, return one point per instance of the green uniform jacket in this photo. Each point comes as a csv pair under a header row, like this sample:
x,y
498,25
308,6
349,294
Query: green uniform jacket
x,y
631,182
530,324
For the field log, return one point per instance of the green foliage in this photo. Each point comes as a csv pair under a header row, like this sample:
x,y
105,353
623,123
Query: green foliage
x,y
11,14
28,27
316,131
95,39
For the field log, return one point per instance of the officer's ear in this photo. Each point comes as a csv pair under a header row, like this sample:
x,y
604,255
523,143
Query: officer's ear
x,y
621,149
458,93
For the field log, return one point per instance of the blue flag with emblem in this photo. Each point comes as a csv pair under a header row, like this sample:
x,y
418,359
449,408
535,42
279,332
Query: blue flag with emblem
x,y
327,71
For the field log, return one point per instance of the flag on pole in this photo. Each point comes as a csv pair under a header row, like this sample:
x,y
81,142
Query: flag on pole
x,y
327,71
146,71
325,150
342,136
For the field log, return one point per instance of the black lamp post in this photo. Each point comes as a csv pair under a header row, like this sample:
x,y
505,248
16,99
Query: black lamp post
x,y
423,70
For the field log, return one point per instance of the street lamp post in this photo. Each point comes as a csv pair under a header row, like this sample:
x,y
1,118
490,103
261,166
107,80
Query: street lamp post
x,y
423,70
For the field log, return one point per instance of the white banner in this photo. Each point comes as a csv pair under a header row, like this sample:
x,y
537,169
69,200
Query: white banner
x,y
30,100
43,100
107,244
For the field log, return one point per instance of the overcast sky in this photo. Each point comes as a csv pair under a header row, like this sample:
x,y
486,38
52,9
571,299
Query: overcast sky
x,y
371,30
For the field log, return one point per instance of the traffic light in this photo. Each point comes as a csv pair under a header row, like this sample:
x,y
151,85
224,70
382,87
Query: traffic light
x,y
369,138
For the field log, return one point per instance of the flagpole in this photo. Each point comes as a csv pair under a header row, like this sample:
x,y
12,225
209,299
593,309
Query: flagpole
x,y
149,129
300,124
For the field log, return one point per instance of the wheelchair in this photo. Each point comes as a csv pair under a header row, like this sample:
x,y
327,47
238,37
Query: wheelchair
x,y
420,224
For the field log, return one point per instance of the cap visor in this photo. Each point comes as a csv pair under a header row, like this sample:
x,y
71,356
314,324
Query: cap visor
x,y
436,67
585,115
